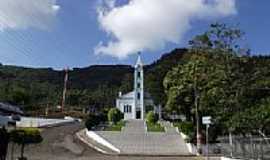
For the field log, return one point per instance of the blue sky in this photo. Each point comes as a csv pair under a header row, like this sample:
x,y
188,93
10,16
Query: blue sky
x,y
70,38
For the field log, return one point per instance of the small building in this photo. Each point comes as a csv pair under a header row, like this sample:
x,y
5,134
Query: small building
x,y
9,114
134,103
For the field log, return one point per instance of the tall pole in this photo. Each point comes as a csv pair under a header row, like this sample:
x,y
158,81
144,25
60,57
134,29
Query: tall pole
x,y
196,103
64,90
197,125
207,142
231,143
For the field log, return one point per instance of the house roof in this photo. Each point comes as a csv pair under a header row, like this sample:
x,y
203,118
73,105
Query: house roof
x,y
130,95
7,108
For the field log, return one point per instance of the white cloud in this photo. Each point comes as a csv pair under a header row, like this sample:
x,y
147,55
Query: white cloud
x,y
150,24
22,14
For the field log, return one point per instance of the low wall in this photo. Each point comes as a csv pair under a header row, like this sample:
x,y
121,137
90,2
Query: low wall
x,y
101,140
41,122
191,147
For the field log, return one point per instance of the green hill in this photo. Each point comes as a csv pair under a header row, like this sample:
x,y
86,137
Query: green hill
x,y
96,86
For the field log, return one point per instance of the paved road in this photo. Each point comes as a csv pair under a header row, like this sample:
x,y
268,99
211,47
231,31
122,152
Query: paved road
x,y
59,144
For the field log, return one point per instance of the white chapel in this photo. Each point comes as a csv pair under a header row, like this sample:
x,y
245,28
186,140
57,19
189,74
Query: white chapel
x,y
133,103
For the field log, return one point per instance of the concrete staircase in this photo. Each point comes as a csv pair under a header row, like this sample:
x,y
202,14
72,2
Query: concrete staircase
x,y
134,126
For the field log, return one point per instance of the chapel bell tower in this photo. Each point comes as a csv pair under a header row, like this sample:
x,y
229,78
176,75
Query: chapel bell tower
x,y
138,89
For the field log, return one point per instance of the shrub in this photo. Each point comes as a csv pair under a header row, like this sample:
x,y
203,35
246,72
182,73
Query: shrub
x,y
151,117
116,127
102,117
186,127
25,137
91,121
114,115
154,127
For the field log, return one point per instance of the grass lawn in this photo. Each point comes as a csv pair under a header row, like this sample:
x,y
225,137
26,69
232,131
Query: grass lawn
x,y
155,127
115,127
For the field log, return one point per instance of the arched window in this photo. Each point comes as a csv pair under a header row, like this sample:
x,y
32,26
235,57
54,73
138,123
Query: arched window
x,y
138,85
138,95
139,74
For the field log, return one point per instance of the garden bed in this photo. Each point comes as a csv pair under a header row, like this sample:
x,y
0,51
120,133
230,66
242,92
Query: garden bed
x,y
185,127
115,127
154,127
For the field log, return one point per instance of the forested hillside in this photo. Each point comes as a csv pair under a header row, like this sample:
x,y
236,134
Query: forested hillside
x,y
96,86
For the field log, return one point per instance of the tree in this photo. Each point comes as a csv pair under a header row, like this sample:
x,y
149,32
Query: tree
x,y
20,96
151,117
114,115
214,79
189,88
156,72
25,137
3,143
253,120
219,39
220,79
224,41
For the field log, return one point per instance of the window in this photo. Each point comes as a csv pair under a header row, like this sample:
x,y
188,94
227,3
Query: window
x,y
139,74
127,109
138,95
138,85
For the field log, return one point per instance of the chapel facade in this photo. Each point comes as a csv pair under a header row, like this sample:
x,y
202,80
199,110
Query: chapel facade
x,y
133,104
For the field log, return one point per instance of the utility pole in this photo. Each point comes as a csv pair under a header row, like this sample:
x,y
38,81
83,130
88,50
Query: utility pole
x,y
196,104
198,134
207,142
64,90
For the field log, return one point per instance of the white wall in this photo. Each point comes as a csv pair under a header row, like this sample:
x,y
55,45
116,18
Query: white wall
x,y
120,105
41,122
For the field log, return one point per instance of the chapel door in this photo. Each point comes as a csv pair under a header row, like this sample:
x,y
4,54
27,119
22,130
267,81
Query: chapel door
x,y
138,114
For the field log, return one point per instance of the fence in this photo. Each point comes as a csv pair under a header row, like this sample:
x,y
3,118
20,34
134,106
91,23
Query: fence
x,y
250,147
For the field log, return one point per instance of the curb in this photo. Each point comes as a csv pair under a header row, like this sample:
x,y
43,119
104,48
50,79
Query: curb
x,y
156,155
226,158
